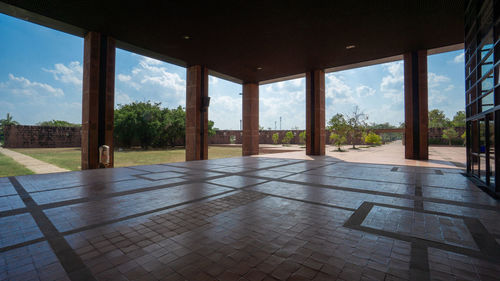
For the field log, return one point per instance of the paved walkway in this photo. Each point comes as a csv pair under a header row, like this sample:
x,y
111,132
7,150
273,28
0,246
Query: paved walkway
x,y
249,218
37,166
390,154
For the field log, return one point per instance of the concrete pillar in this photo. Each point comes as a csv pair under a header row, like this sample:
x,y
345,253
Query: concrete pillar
x,y
416,108
315,112
197,113
250,119
98,98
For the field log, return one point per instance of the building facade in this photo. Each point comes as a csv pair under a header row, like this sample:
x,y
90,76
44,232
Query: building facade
x,y
482,91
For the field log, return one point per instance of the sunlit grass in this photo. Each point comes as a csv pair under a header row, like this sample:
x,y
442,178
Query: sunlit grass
x,y
70,158
9,167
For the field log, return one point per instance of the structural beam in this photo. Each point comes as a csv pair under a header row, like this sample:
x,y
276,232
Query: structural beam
x,y
315,112
416,107
197,102
250,119
98,98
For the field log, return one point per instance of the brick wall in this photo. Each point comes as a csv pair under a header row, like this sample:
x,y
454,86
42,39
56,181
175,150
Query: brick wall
x,y
21,136
45,137
265,137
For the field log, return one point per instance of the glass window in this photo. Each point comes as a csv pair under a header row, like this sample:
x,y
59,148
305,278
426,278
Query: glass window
x,y
487,65
497,71
492,153
487,84
482,137
487,102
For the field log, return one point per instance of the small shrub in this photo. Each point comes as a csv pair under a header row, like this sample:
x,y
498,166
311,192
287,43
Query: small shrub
x,y
464,137
337,140
276,138
232,139
373,139
287,138
450,134
302,137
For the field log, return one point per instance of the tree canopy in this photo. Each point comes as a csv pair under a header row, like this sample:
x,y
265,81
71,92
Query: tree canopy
x,y
58,123
147,124
9,120
437,119
459,119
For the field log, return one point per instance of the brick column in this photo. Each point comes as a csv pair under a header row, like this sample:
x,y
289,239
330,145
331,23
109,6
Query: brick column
x,y
416,108
250,119
315,112
98,98
196,113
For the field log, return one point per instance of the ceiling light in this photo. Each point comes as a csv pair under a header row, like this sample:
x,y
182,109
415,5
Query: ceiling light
x,y
350,47
187,37
259,68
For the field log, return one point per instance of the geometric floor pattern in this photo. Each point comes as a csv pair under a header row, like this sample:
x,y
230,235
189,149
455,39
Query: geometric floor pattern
x,y
249,219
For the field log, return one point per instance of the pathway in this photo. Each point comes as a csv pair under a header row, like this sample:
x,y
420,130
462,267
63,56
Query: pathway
x,y
389,154
37,166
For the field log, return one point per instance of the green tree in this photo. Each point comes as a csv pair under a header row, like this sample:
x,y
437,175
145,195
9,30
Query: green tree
x,y
58,123
211,130
8,121
459,119
338,124
356,121
437,119
173,124
276,138
302,137
385,125
337,140
372,138
450,134
287,138
139,121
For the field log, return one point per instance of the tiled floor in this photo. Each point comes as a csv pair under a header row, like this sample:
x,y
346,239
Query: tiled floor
x,y
249,219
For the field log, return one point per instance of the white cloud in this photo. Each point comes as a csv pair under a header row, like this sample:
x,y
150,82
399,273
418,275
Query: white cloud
x,y
124,78
393,83
122,98
364,91
459,58
226,102
72,74
151,61
340,92
22,86
127,79
151,80
436,80
337,89
150,73
284,99
450,87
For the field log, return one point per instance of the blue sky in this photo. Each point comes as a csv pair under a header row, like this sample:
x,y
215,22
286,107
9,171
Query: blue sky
x,y
41,73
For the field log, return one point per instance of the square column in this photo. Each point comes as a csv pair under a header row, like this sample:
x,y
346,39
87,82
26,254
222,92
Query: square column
x,y
98,99
250,119
315,112
416,107
197,101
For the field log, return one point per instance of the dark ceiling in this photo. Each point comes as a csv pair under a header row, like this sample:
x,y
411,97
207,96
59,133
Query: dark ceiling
x,y
254,41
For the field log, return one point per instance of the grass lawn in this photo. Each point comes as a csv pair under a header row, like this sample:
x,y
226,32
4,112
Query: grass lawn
x,y
9,167
69,158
